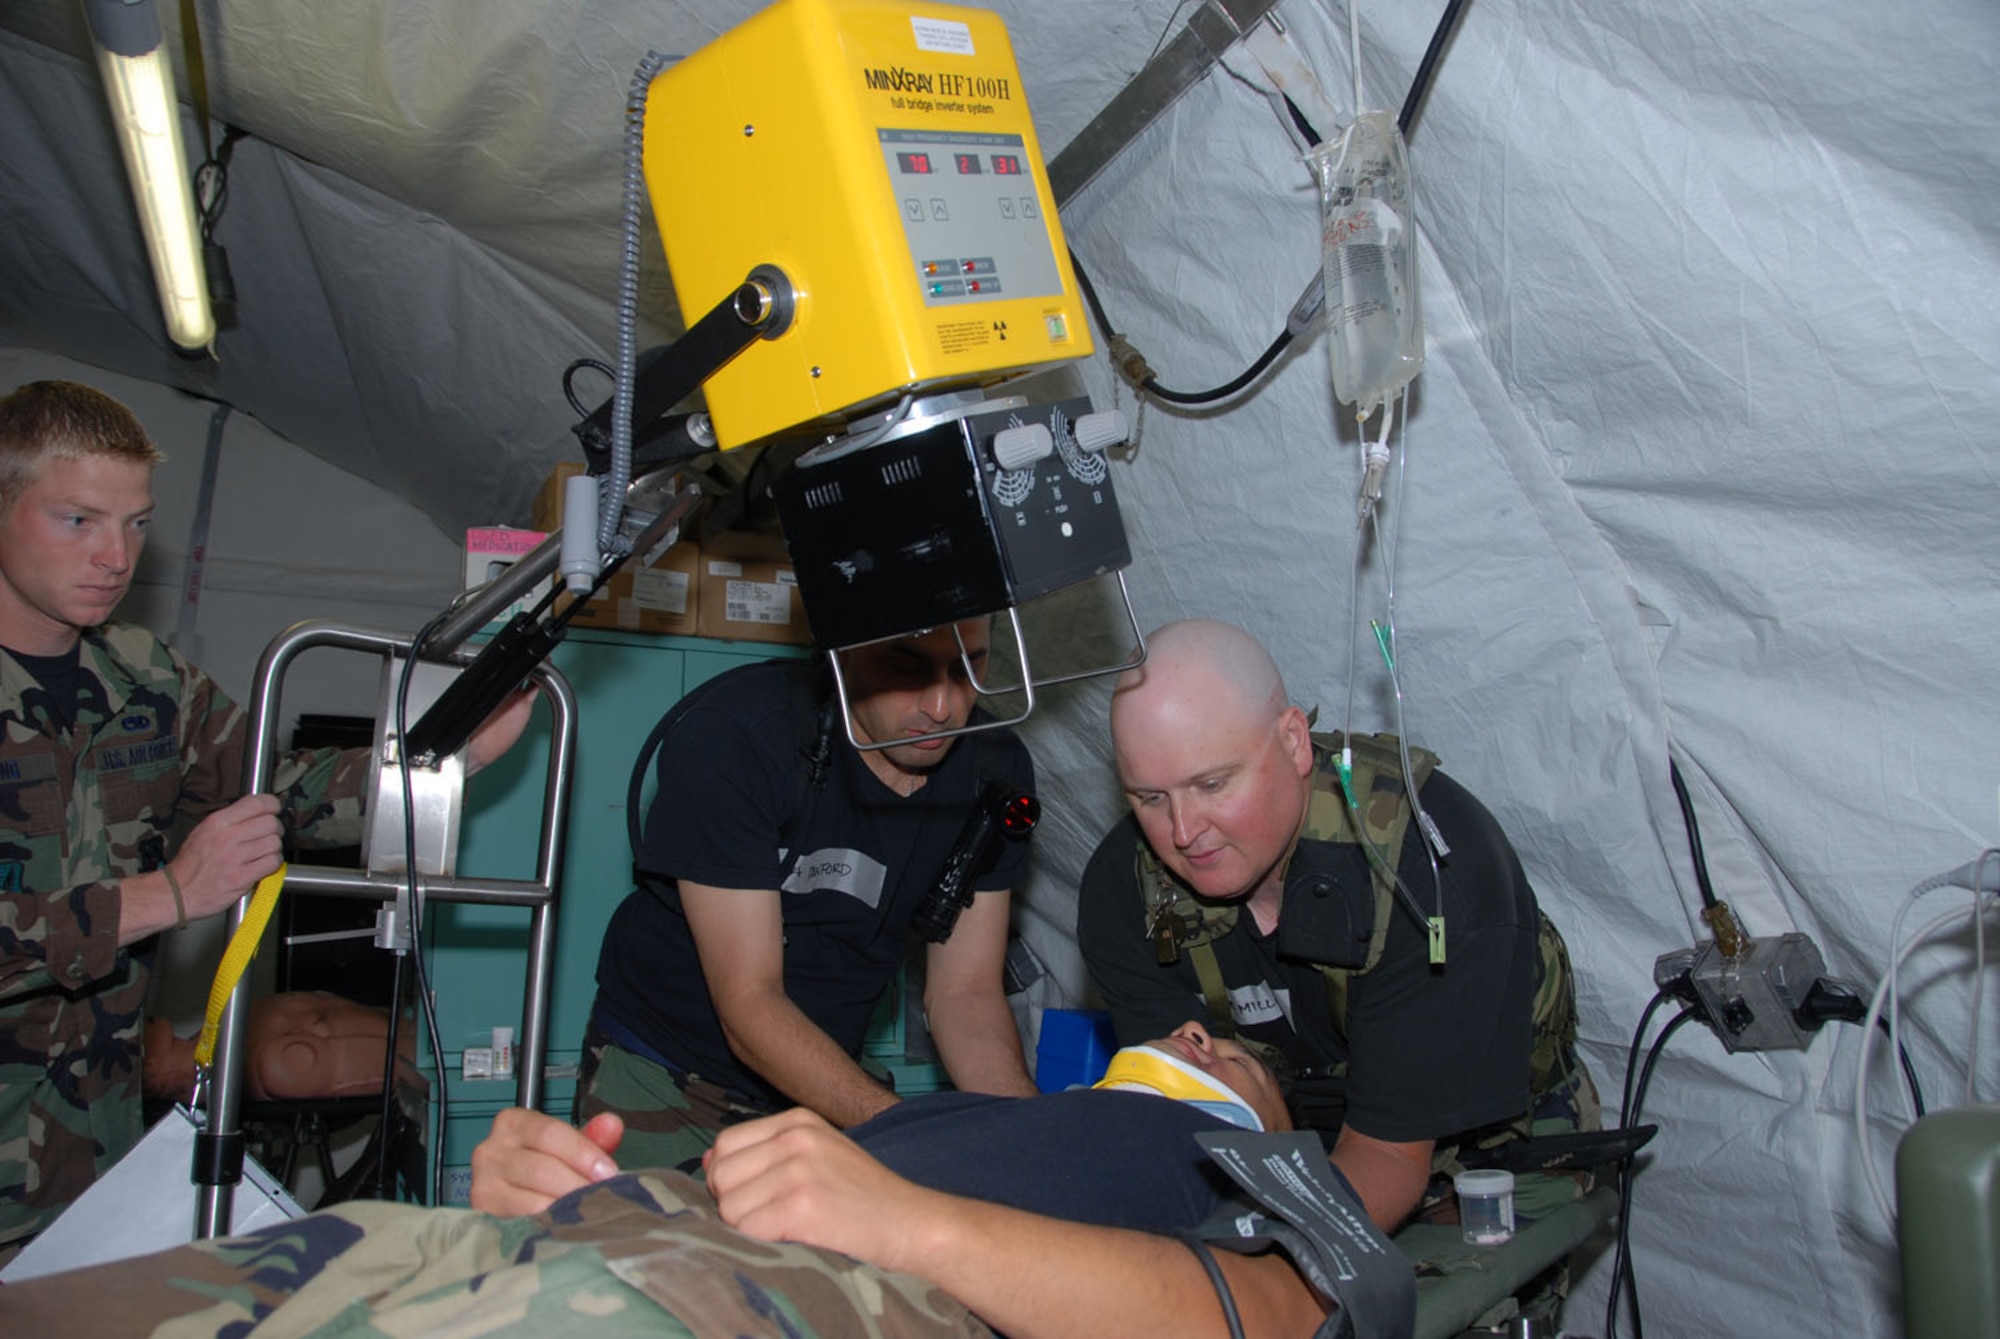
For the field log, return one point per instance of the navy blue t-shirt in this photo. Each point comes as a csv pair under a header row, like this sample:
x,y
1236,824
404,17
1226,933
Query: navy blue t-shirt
x,y
851,858
1112,1158
1108,1158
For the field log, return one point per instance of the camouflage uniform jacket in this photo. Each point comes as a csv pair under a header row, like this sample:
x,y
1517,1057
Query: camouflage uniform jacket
x,y
641,1256
155,746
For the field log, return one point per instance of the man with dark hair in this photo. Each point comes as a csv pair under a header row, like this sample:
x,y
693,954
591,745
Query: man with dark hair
x,y
780,873
121,812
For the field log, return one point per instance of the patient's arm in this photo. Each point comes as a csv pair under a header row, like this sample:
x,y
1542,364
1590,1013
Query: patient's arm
x,y
792,1177
530,1160
1389,1178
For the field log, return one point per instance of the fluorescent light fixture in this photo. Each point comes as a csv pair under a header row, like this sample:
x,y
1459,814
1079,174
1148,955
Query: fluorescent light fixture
x,y
139,82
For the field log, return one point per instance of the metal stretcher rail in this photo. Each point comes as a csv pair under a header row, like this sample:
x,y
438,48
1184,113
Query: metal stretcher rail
x,y
1458,1283
538,893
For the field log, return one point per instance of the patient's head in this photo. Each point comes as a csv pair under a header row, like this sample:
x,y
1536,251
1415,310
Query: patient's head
x,y
309,1043
1192,1055
299,1044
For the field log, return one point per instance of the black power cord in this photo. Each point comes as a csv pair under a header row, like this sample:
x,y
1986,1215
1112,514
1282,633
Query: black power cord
x,y
211,190
1420,86
1221,1284
1622,1278
433,1188
1831,1001
1826,1001
1694,833
1132,364
1227,389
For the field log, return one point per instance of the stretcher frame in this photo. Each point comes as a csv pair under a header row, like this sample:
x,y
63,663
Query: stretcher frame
x,y
538,893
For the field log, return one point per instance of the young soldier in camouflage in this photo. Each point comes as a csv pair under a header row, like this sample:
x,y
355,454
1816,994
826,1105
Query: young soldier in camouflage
x,y
1254,888
121,766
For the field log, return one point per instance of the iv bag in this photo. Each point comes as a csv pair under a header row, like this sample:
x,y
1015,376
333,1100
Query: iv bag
x,y
1374,321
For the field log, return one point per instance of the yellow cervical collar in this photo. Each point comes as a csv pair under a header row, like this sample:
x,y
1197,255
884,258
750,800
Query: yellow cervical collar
x,y
1151,1070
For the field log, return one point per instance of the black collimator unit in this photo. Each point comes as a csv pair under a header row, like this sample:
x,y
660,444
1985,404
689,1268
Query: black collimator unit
x,y
928,529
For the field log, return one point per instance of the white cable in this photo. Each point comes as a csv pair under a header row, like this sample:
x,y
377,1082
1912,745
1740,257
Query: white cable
x,y
1375,461
1353,629
1384,535
1354,48
1434,842
1402,422
1978,974
1166,28
1353,42
1980,902
1965,876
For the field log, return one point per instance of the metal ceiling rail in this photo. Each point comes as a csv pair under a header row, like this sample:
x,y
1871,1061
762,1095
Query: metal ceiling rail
x,y
1183,62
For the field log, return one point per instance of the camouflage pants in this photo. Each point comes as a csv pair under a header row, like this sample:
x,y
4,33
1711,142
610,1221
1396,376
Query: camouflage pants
x,y
1568,1106
639,1255
66,1119
670,1121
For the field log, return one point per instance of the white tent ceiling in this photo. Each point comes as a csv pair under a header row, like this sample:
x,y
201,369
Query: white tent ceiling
x,y
1703,459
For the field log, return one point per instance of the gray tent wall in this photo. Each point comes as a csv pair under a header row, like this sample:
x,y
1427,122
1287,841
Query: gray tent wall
x,y
1702,461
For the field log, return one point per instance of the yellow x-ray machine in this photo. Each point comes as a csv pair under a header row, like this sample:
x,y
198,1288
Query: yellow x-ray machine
x,y
865,249
882,156
859,180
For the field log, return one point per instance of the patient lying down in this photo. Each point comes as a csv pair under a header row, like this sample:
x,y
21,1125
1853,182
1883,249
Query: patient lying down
x,y
1049,1215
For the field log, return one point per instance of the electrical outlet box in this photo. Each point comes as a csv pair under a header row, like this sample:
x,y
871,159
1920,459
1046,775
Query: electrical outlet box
x,y
1754,999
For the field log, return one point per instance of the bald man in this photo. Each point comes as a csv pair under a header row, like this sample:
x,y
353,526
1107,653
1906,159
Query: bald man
x,y
1248,890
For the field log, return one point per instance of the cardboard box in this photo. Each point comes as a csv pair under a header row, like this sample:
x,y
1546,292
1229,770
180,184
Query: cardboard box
x,y
490,550
548,509
749,592
661,596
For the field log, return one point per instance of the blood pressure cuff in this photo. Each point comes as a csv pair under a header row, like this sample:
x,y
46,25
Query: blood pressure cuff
x,y
1293,1199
